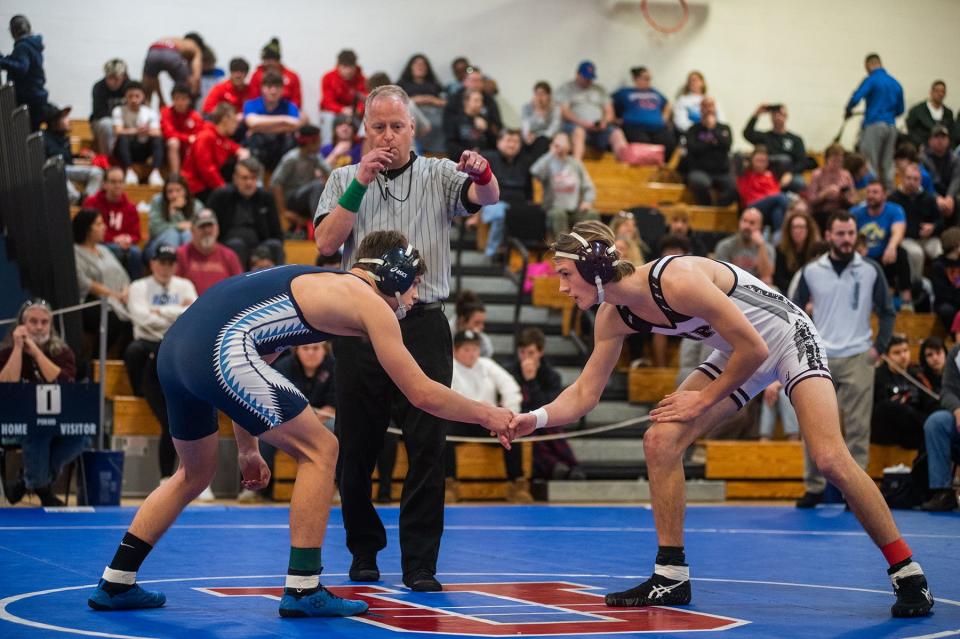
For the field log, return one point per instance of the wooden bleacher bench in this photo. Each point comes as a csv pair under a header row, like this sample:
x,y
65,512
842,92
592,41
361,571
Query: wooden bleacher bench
x,y
656,194
917,327
546,293
141,192
300,251
480,469
117,380
132,417
648,385
81,136
774,470
709,218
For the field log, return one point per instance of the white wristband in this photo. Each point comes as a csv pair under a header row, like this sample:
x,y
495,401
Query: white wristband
x,y
541,415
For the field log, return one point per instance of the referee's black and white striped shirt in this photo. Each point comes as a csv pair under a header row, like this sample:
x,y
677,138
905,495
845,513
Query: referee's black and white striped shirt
x,y
419,200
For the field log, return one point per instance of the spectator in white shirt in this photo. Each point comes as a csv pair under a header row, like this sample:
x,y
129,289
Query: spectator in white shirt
x,y
483,380
137,127
154,303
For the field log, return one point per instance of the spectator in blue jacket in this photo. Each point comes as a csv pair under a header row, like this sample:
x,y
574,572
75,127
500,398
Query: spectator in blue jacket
x,y
884,100
24,67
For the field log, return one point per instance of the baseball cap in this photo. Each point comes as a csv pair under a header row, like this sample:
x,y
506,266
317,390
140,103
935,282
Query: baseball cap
x,y
204,217
587,70
166,253
53,113
938,130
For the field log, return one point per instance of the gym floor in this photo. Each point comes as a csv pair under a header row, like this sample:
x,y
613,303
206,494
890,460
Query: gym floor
x,y
758,571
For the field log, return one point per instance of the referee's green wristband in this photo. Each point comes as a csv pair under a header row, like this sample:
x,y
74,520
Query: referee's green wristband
x,y
353,196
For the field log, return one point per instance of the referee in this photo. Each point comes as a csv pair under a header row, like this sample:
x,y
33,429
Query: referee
x,y
393,189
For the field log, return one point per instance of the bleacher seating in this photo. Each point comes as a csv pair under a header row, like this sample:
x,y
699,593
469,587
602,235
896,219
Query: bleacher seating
x,y
774,470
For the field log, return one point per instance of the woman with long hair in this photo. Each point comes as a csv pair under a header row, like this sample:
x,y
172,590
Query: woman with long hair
x,y
686,108
171,212
799,235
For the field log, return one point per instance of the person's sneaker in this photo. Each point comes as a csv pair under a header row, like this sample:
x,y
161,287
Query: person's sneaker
x,y
207,495
942,501
48,499
364,568
134,599
913,594
577,474
131,177
322,603
809,500
451,491
155,179
655,591
422,581
248,496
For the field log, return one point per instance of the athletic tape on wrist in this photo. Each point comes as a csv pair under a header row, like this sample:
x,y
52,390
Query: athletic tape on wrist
x,y
353,196
541,415
484,178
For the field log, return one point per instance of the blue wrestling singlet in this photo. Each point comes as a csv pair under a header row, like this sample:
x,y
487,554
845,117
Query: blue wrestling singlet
x,y
211,357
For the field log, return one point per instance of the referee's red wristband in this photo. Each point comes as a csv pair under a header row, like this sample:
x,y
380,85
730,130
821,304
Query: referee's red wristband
x,y
483,178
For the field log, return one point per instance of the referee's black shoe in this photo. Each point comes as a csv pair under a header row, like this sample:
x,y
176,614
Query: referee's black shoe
x,y
655,591
913,594
809,500
364,568
422,580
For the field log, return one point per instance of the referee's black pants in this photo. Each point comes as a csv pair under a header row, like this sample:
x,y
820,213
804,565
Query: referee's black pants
x,y
366,400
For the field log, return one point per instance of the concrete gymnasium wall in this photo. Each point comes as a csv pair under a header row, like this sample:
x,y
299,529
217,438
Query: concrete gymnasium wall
x,y
807,55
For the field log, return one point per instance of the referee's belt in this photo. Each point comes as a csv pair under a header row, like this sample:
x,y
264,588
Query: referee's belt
x,y
420,309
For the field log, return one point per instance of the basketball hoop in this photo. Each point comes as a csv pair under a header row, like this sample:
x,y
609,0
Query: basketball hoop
x,y
645,9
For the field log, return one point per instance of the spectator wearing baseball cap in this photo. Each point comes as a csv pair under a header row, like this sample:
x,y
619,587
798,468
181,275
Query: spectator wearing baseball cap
x,y
588,113
203,260
944,168
56,141
155,302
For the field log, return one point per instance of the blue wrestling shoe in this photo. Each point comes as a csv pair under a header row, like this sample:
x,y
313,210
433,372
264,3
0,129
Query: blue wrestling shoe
x,y
322,603
134,599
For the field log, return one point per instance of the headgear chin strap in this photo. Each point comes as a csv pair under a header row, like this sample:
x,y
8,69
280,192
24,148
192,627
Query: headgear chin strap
x,y
395,273
596,262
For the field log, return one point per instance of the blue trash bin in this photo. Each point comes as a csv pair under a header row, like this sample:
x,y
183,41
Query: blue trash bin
x,y
102,477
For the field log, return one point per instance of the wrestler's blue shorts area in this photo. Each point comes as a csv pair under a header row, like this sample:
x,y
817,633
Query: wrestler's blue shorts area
x,y
200,376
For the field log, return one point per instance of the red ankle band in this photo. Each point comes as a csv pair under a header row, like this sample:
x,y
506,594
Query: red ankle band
x,y
896,551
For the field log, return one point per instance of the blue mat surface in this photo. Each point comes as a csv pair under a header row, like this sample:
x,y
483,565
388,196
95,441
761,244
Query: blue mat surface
x,y
508,571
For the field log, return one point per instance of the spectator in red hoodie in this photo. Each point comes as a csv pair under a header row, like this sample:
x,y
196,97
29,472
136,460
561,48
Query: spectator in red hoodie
x,y
203,168
234,90
759,189
122,235
270,61
343,89
179,125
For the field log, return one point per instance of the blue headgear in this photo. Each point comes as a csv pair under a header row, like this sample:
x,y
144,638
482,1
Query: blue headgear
x,y
596,261
395,273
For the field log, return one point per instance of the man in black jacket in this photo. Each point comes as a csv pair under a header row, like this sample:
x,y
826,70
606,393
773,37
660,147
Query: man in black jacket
x,y
107,94
923,116
788,156
24,67
511,166
540,384
899,406
923,220
945,276
708,158
247,214
56,141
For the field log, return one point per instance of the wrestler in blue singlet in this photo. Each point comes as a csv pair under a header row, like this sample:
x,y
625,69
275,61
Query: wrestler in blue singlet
x,y
211,357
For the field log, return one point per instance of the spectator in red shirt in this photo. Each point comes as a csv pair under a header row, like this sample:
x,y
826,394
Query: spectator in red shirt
x,y
122,235
203,260
270,61
203,168
343,89
179,125
759,189
234,90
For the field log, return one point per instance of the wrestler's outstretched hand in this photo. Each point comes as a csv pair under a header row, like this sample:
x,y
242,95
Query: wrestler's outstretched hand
x,y
679,406
522,425
497,421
